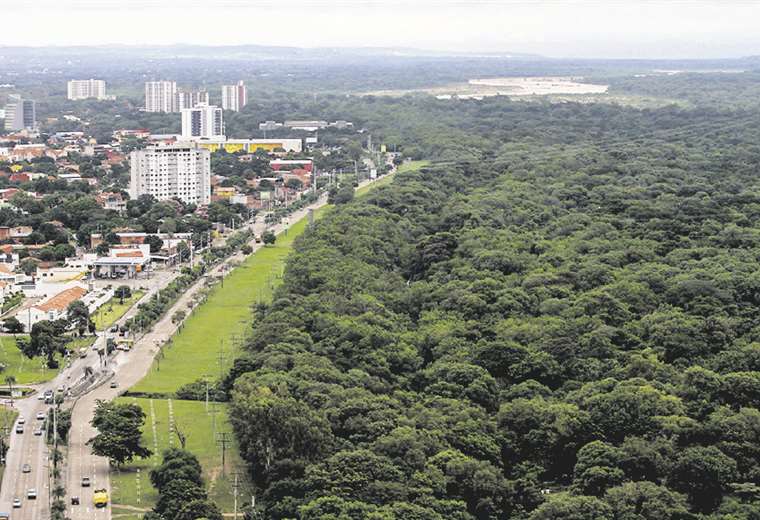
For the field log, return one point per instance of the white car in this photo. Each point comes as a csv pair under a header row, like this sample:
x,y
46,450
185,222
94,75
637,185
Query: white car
x,y
31,494
40,416
21,420
16,503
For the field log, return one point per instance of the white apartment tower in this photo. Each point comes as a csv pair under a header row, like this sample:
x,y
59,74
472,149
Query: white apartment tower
x,y
234,97
202,122
86,89
191,98
161,96
179,170
20,113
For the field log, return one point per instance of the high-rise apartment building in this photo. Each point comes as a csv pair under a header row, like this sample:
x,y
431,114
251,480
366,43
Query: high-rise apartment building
x,y
191,98
86,89
180,170
20,113
161,96
234,97
202,122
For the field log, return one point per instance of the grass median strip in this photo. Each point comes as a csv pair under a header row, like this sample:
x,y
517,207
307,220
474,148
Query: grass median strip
x,y
211,337
200,427
113,309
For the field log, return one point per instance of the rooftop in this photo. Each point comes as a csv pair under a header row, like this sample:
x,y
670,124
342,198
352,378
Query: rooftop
x,y
61,301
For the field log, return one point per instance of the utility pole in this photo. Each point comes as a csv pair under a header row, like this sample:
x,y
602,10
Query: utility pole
x,y
235,495
223,439
221,359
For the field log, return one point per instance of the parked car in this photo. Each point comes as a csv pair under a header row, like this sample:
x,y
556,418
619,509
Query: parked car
x,y
114,384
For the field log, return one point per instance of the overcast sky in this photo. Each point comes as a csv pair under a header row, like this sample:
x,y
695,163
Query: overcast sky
x,y
582,28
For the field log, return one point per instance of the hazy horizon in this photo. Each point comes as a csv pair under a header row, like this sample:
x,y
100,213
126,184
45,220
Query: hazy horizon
x,y
555,29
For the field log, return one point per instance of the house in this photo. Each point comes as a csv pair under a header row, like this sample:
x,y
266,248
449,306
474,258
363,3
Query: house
x,y
51,308
112,201
13,233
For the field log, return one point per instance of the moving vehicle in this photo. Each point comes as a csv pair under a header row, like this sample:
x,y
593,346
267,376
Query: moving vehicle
x,y
85,481
26,468
83,352
31,494
75,500
40,416
16,502
38,432
114,384
21,420
19,429
100,498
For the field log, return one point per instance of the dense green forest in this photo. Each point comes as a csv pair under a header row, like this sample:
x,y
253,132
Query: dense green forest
x,y
557,319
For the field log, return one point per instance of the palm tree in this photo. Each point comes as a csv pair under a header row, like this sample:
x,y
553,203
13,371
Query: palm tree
x,y
10,381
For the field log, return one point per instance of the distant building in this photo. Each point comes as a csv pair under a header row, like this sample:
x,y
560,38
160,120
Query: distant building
x,y
179,170
309,126
268,126
161,96
202,122
251,145
191,99
20,113
86,89
234,97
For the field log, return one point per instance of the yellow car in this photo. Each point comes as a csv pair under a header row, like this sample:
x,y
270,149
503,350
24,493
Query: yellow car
x,y
100,498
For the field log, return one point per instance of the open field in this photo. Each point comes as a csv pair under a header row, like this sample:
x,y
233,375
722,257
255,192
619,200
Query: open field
x,y
190,418
25,370
513,86
225,317
112,310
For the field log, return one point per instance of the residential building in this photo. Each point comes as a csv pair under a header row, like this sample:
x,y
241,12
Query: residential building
x,y
112,201
234,97
161,96
191,98
86,89
179,170
202,122
51,308
20,113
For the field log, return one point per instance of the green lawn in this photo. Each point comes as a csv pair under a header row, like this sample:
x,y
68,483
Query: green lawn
x,y
112,310
220,325
198,426
382,181
25,370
